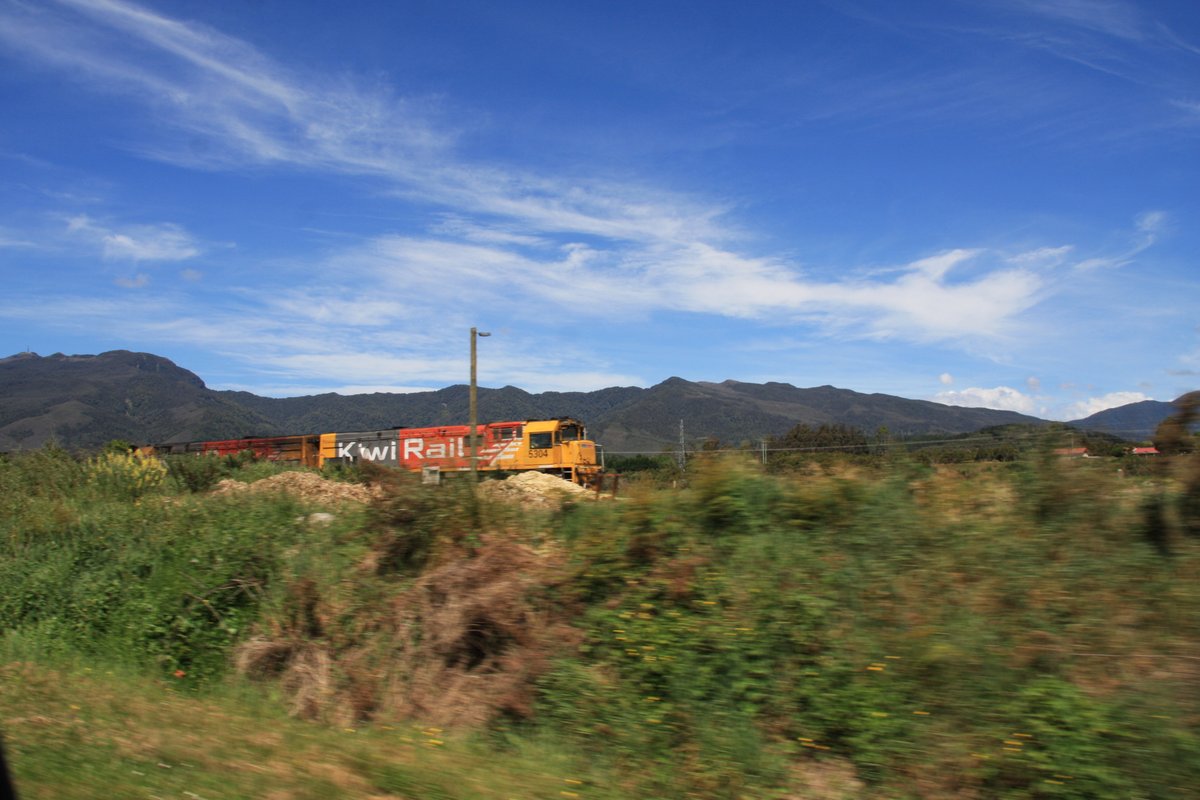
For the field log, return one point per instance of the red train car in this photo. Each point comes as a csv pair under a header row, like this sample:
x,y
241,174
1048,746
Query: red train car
x,y
557,446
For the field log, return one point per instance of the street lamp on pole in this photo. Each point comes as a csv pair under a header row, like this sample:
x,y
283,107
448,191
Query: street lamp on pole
x,y
474,413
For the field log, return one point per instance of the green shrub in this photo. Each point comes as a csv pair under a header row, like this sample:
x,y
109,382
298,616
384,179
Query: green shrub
x,y
171,586
195,473
125,476
412,518
1058,743
199,472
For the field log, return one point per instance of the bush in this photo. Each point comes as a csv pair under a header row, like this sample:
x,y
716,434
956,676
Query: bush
x,y
170,586
201,472
1059,743
124,475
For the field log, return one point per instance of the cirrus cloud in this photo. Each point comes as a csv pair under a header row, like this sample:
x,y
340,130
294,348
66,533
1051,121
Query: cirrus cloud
x,y
163,242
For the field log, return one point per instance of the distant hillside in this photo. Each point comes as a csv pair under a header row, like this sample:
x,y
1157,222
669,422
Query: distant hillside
x,y
1135,421
734,412
634,419
84,401
449,406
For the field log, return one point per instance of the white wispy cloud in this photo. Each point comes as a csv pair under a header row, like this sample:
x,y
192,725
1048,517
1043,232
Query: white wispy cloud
x,y
300,390
1132,51
338,308
288,351
1125,40
495,234
198,80
934,309
1148,227
161,242
457,227
247,108
1115,18
1190,108
923,301
1042,256
648,249
17,240
1150,224
136,282
382,308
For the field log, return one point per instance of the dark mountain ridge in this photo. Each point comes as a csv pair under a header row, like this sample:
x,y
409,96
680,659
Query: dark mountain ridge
x,y
82,401
1135,421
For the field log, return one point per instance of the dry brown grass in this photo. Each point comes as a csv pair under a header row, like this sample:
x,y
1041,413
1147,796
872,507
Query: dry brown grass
x,y
458,647
481,637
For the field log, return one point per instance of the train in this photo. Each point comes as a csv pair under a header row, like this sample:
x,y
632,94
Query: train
x,y
557,446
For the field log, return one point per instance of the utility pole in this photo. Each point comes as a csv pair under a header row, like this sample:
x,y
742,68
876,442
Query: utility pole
x,y
473,435
682,449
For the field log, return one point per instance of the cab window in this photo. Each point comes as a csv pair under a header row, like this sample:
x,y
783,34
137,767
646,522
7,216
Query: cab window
x,y
540,441
570,433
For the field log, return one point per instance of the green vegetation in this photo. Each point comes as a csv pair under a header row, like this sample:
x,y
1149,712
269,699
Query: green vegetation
x,y
850,627
78,733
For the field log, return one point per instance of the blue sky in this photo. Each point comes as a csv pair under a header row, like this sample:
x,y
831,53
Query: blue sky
x,y
988,203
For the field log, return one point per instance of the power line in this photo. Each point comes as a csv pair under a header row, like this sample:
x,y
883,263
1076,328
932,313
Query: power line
x,y
907,443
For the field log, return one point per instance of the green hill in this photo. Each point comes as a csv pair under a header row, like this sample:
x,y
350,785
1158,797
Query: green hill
x,y
85,401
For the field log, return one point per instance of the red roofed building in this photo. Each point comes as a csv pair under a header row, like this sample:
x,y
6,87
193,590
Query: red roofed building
x,y
1144,451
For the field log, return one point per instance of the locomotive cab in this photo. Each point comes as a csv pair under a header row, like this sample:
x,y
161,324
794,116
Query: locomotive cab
x,y
560,446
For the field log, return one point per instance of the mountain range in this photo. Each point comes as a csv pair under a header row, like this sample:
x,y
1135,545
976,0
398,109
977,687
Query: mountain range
x,y
83,401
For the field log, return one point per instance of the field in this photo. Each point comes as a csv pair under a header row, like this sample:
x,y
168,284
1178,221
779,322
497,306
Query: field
x,y
842,628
